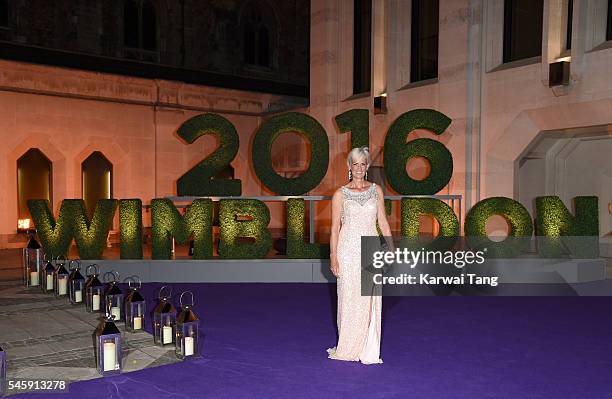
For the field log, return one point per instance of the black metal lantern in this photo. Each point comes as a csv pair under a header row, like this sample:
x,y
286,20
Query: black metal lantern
x,y
60,278
134,306
46,282
107,338
187,325
94,290
164,319
113,296
89,276
2,371
76,283
33,262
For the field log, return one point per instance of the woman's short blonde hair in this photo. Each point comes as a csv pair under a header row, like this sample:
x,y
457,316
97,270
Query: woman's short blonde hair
x,y
359,152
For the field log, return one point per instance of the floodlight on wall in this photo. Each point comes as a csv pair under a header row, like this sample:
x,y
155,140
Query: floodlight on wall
x,y
23,225
559,72
380,104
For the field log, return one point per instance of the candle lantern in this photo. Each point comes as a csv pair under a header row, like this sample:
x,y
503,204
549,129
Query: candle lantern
x,y
94,290
187,324
2,371
90,275
134,306
60,278
164,319
113,296
107,339
46,281
33,262
76,283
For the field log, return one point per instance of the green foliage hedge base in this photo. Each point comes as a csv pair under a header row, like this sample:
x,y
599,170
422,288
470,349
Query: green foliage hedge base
x,y
167,222
297,248
412,208
261,153
198,181
255,227
130,226
560,233
519,221
72,222
397,152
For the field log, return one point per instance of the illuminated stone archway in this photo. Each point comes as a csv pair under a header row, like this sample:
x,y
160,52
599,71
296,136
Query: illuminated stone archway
x,y
34,181
97,180
502,157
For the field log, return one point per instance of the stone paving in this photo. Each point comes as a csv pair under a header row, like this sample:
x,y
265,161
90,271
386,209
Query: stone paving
x,y
48,338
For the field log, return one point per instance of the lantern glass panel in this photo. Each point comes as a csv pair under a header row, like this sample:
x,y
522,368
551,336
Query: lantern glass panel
x,y
108,347
187,339
113,299
134,310
61,281
164,323
187,325
94,294
33,263
77,287
47,282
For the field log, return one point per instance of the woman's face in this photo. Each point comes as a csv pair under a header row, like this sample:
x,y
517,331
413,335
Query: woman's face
x,y
358,168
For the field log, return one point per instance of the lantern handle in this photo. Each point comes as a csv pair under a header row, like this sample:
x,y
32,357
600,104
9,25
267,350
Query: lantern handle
x,y
169,289
48,258
63,257
135,279
181,298
96,269
113,273
78,262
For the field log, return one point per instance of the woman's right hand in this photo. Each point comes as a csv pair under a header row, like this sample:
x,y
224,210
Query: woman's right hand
x,y
335,268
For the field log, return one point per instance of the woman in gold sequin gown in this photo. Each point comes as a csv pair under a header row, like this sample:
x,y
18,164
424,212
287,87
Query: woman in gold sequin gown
x,y
356,208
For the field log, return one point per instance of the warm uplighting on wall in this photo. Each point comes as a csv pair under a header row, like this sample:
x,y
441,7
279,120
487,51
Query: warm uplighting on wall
x,y
23,224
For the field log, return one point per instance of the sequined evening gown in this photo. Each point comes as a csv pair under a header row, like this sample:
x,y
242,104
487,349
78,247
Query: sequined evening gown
x,y
359,317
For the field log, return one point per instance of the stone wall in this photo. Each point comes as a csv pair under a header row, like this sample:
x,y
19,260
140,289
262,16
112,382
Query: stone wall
x,y
497,109
68,114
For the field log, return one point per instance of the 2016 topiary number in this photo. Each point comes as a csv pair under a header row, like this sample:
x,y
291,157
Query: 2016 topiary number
x,y
198,181
357,122
262,153
398,152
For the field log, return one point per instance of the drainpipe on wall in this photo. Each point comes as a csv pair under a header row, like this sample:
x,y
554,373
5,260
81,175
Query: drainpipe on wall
x,y
155,136
475,64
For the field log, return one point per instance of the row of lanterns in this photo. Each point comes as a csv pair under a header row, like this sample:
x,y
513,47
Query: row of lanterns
x,y
170,328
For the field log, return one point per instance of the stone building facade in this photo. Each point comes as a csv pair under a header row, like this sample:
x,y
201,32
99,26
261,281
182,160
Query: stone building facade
x,y
512,134
515,132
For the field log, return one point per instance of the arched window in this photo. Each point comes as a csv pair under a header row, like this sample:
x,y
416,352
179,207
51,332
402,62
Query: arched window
x,y
4,13
97,173
249,44
258,26
34,181
149,26
130,23
263,48
362,45
140,29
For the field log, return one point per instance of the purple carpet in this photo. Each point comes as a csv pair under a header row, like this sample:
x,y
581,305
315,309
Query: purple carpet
x,y
269,341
